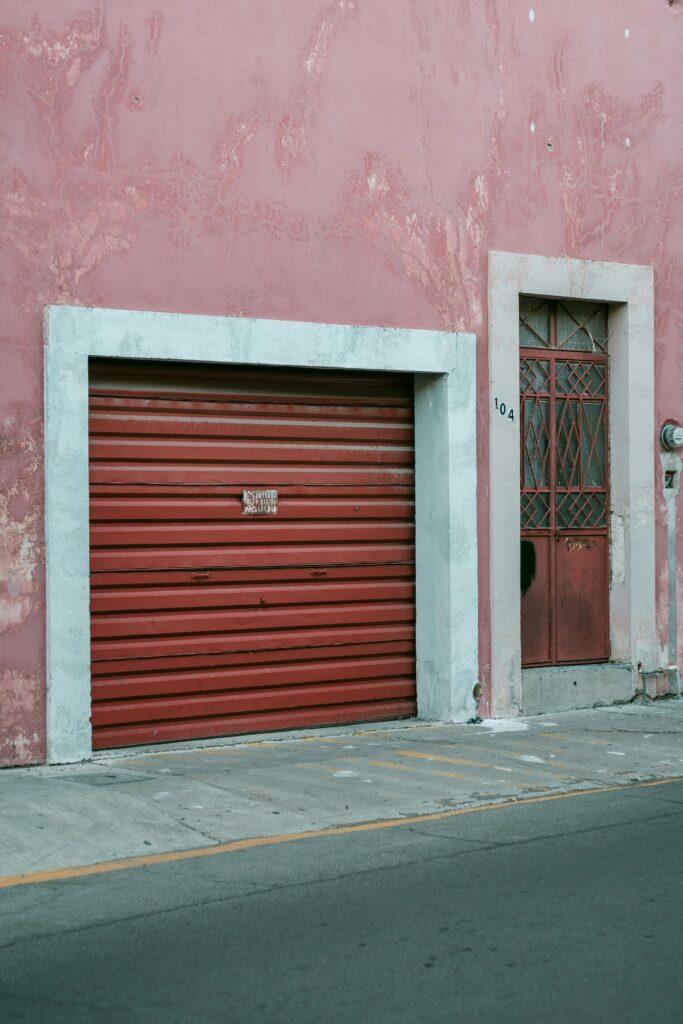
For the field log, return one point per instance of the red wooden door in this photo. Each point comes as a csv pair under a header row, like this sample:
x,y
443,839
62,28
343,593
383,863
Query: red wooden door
x,y
564,482
212,616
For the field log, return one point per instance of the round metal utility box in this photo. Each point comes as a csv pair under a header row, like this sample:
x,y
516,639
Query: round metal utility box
x,y
671,437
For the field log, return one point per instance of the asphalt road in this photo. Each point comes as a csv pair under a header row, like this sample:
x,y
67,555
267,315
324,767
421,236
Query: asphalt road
x,y
561,910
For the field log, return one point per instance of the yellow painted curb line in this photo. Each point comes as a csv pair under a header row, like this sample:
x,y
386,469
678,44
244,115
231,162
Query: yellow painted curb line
x,y
148,860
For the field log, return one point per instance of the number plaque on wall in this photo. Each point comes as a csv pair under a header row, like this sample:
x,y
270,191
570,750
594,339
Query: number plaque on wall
x,y
259,503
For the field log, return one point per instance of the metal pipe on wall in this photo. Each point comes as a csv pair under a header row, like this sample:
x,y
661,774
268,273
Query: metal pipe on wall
x,y
672,439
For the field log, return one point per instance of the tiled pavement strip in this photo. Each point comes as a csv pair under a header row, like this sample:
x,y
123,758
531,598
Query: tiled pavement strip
x,y
140,802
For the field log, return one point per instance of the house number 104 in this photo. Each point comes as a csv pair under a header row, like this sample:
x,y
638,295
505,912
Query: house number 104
x,y
502,408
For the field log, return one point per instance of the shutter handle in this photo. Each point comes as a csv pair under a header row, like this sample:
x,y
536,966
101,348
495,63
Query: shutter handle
x,y
318,572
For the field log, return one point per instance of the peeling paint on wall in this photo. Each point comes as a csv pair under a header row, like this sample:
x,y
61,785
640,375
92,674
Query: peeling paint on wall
x,y
69,231
295,132
63,231
20,516
22,724
437,250
154,25
67,237
237,136
601,192
22,695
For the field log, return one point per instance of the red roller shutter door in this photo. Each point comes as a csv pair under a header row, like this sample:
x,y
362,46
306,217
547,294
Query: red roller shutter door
x,y
206,621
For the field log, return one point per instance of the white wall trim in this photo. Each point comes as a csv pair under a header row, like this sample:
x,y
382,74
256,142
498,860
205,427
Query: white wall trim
x,y
446,480
630,290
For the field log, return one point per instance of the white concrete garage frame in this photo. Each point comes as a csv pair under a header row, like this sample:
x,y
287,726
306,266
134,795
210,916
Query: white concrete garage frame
x,y
629,290
446,480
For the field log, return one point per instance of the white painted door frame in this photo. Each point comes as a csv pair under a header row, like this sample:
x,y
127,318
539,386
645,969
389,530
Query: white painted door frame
x,y
444,366
629,290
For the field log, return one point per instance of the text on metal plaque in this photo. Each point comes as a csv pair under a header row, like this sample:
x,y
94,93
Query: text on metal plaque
x,y
259,503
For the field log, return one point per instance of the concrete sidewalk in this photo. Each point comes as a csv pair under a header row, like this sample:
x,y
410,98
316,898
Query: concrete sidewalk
x,y
140,802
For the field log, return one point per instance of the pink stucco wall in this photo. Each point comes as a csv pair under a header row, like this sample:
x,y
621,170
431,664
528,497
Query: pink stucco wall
x,y
332,160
